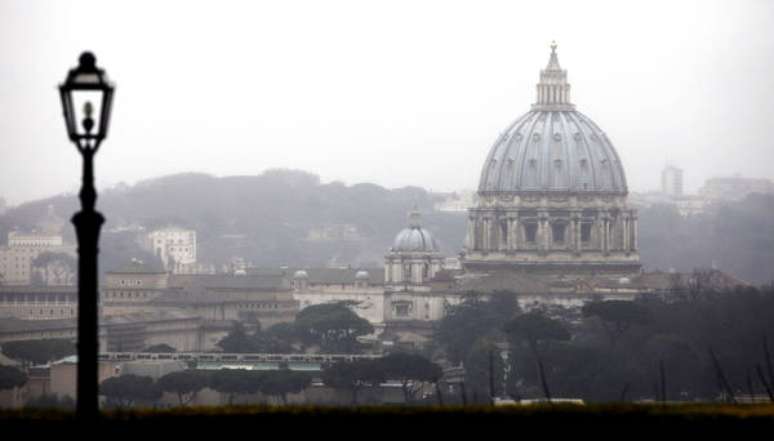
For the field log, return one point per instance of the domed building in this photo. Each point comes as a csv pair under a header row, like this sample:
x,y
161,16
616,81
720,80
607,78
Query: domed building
x,y
414,257
552,197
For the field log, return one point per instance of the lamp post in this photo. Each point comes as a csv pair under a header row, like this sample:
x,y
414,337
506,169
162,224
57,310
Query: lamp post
x,y
87,96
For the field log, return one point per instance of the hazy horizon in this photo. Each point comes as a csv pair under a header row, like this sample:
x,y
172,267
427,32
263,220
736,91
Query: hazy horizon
x,y
398,94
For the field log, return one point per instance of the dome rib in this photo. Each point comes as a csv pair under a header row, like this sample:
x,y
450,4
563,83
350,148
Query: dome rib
x,y
549,139
589,156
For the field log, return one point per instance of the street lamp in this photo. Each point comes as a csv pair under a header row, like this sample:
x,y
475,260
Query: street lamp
x,y
87,97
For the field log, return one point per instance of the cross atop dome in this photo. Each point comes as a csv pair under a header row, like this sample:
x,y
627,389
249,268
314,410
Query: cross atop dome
x,y
553,62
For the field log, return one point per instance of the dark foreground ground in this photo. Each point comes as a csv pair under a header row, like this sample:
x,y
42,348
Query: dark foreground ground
x,y
366,423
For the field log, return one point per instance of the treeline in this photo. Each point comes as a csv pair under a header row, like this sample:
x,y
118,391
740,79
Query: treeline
x,y
131,390
332,328
736,237
411,371
710,346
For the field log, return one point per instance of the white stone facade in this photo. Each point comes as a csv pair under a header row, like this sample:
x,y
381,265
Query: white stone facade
x,y
176,247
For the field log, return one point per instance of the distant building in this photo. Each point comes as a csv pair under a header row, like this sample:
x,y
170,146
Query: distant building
x,y
672,181
215,298
134,284
734,188
51,223
457,202
126,228
16,259
38,302
362,288
259,298
334,232
687,205
126,333
176,247
34,240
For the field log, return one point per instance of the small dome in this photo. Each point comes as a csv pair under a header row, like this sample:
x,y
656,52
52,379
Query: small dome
x,y
362,275
414,238
300,274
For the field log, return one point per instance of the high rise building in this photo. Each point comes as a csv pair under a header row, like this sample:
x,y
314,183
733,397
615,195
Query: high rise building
x,y
672,181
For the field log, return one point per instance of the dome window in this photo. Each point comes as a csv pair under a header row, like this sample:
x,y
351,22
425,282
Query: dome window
x,y
530,232
584,164
586,232
604,162
533,163
577,136
557,231
536,137
557,136
558,164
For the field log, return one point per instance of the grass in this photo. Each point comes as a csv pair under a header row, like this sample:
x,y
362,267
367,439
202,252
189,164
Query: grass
x,y
617,418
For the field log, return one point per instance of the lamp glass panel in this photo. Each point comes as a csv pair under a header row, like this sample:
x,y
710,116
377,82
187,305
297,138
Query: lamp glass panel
x,y
79,100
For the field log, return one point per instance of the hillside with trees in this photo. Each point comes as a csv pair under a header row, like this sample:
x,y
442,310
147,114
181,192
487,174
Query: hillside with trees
x,y
267,219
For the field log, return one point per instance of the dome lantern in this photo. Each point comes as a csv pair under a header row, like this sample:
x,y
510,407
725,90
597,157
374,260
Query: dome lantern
x,y
553,90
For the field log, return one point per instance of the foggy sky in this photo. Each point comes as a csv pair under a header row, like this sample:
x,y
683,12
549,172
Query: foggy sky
x,y
395,93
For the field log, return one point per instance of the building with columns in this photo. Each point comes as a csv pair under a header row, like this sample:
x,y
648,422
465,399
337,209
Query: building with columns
x,y
552,197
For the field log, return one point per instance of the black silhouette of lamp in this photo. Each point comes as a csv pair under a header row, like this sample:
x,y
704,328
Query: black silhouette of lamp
x,y
87,99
